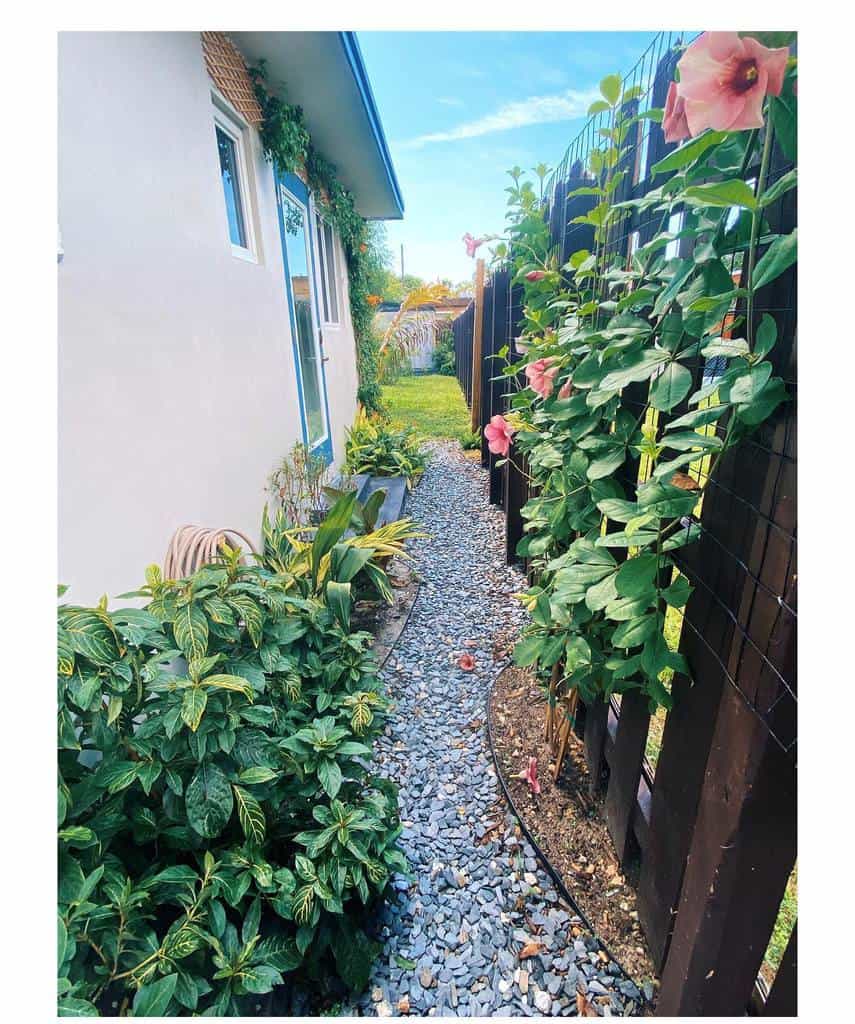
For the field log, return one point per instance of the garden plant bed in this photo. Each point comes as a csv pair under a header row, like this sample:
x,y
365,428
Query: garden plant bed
x,y
565,821
386,622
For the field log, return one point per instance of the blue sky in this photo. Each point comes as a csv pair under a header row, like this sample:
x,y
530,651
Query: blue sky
x,y
460,108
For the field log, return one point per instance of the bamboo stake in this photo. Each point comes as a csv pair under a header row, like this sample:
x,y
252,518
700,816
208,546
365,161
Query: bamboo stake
x,y
566,729
550,705
477,345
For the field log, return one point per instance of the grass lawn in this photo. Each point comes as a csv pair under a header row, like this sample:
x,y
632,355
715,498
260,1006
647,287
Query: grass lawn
x,y
432,404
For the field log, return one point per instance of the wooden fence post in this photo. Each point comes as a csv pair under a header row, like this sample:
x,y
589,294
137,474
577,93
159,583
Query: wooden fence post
x,y
477,328
487,365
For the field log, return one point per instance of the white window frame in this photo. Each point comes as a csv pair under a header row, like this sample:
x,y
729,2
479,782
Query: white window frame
x,y
321,269
230,123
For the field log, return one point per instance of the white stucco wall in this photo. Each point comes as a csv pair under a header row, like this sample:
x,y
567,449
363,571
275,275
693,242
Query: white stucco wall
x,y
177,384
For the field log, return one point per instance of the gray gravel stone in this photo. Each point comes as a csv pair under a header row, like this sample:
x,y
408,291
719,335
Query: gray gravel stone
x,y
435,747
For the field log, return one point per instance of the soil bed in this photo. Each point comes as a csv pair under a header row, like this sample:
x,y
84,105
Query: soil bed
x,y
565,821
386,622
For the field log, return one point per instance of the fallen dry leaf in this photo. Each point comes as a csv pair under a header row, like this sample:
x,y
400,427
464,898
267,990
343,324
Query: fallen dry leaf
x,y
531,949
583,1007
685,482
404,1004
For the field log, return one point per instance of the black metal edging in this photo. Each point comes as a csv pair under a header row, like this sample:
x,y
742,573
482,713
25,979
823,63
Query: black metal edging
x,y
563,891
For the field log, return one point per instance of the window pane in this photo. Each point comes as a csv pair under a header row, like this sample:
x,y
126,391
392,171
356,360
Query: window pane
x,y
320,243
296,250
231,188
330,273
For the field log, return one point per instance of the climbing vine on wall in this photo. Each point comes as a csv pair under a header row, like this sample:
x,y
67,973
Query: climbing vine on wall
x,y
610,340
288,145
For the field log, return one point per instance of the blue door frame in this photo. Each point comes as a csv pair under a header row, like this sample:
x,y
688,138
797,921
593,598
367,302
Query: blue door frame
x,y
300,193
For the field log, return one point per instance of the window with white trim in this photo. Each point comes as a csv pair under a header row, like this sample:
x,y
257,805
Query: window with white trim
x,y
329,266
231,153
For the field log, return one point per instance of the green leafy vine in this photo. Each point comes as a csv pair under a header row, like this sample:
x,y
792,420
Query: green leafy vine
x,y
609,340
288,145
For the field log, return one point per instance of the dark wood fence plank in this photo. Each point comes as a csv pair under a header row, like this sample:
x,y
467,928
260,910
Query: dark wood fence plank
x,y
499,384
742,852
625,770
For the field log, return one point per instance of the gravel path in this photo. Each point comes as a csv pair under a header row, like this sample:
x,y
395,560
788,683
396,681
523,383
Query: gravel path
x,y
452,940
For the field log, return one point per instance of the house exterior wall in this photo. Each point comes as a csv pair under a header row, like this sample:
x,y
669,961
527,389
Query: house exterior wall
x,y
177,380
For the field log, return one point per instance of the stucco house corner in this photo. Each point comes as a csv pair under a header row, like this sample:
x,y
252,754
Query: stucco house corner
x,y
205,313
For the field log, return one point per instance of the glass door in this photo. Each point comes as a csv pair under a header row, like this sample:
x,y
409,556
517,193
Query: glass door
x,y
300,287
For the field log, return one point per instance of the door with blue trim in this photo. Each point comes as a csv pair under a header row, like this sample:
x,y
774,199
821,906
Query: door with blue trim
x,y
298,257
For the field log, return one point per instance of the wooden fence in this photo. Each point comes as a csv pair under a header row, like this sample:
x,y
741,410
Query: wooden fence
x,y
714,824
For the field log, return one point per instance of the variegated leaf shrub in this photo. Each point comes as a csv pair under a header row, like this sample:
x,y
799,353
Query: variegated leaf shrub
x,y
220,823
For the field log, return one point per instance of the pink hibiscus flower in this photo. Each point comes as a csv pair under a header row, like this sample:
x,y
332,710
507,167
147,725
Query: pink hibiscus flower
x,y
471,244
466,662
535,275
499,433
541,375
566,388
723,80
530,775
674,123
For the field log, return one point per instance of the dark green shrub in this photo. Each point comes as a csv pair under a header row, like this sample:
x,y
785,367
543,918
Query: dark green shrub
x,y
219,821
444,359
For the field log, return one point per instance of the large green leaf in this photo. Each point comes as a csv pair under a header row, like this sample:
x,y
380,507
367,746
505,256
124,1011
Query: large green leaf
x,y
678,593
190,627
528,650
153,999
606,464
346,561
747,387
632,369
72,1006
780,256
764,404
600,594
670,387
722,193
193,707
683,156
88,634
784,116
635,631
636,575
208,801
623,609
332,529
329,776
250,815
339,601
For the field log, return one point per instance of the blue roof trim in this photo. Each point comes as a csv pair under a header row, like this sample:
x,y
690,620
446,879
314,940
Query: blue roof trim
x,y
354,58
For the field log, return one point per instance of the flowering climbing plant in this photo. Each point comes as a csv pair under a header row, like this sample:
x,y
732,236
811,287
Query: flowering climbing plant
x,y
620,441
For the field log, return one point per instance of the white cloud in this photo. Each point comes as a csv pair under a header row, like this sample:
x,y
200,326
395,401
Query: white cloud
x,y
563,106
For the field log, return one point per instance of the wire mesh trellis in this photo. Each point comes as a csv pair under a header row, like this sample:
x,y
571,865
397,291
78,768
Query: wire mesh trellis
x,y
759,672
